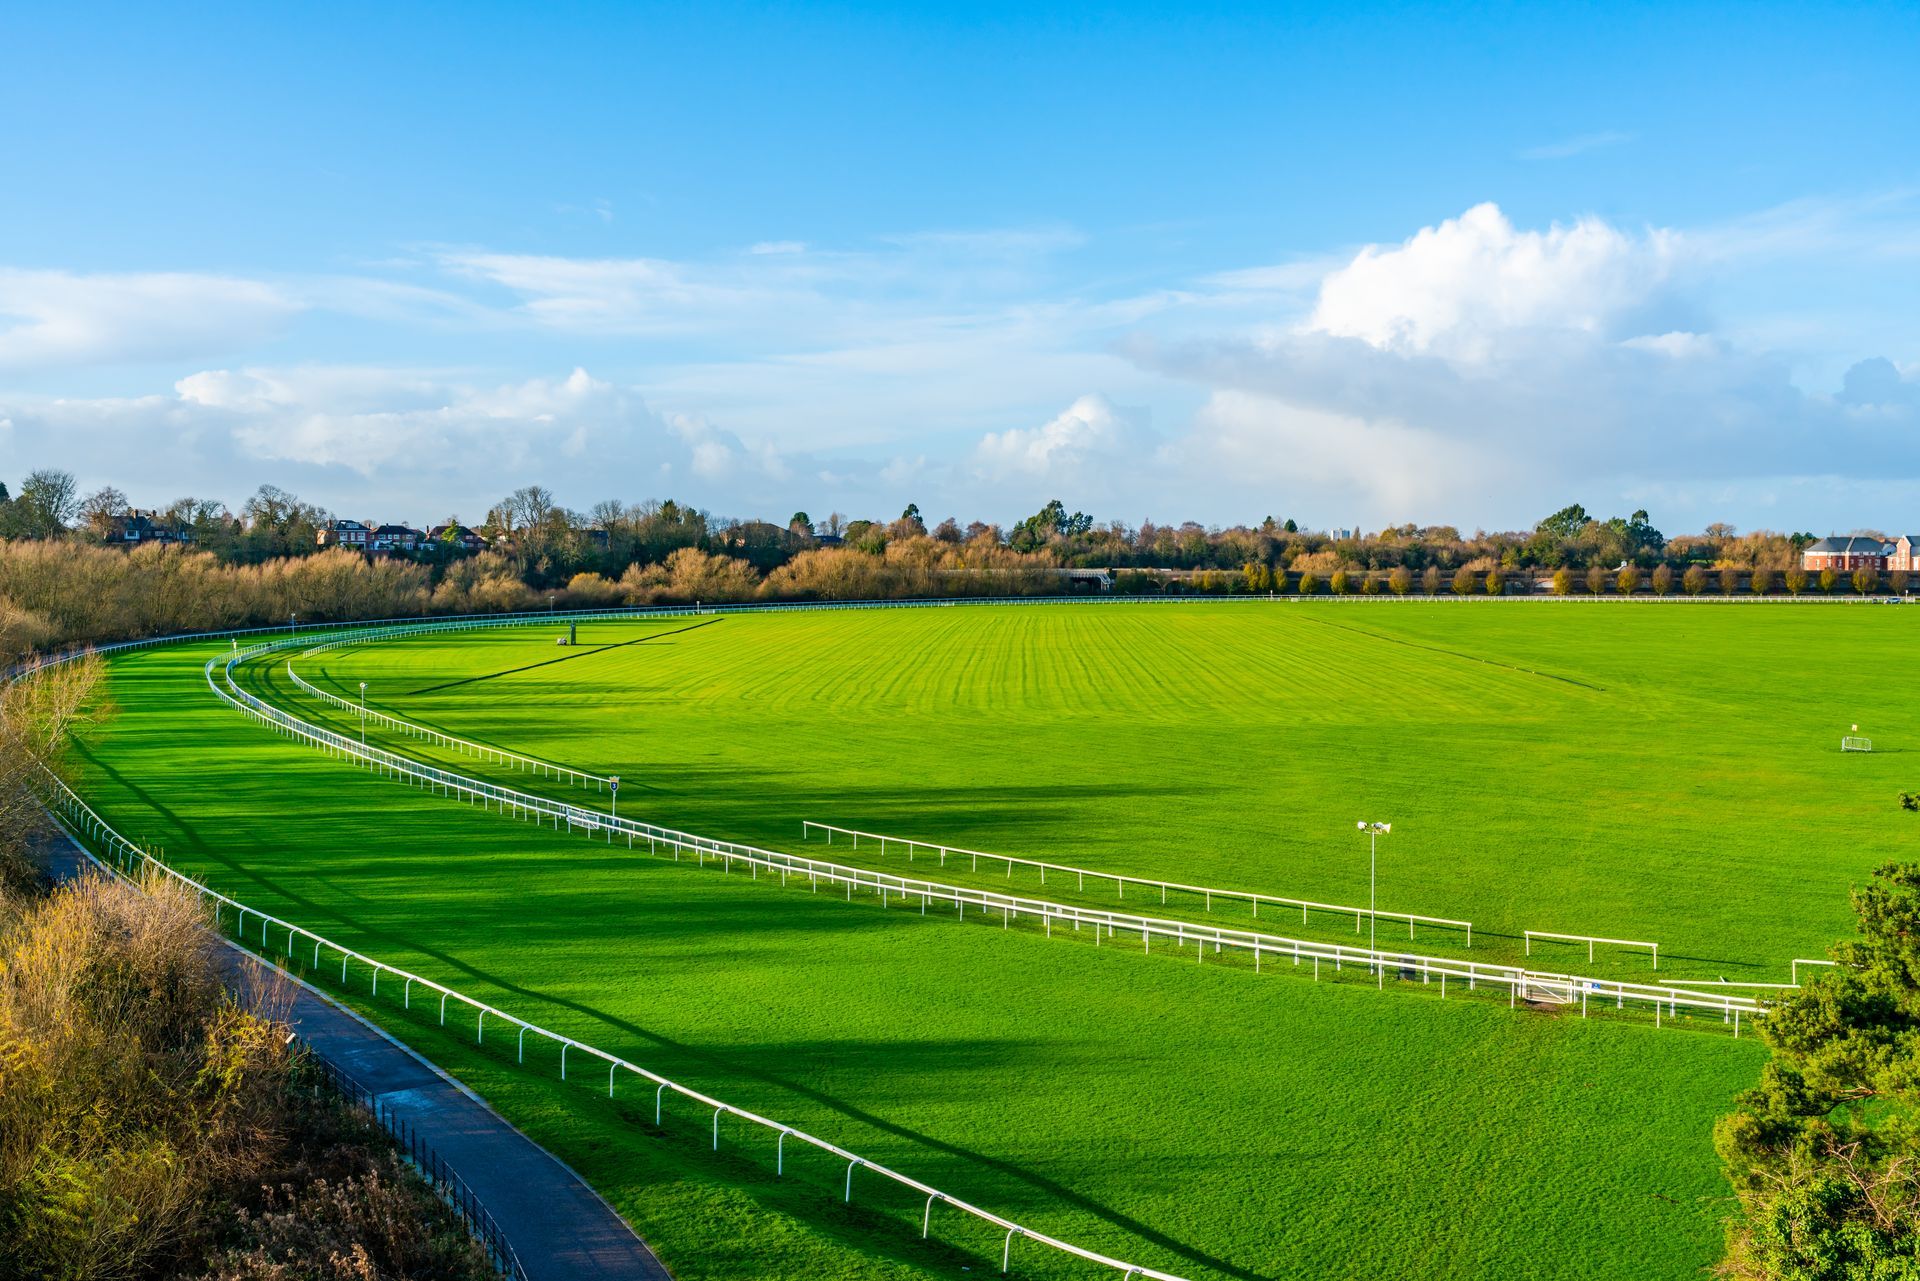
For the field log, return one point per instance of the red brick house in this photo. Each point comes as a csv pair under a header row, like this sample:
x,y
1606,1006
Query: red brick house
x,y
1844,555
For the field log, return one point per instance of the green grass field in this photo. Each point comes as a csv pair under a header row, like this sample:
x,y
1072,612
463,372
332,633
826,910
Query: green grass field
x,y
1658,773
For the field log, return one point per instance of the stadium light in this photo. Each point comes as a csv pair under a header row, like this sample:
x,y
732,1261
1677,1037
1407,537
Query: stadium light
x,y
1374,832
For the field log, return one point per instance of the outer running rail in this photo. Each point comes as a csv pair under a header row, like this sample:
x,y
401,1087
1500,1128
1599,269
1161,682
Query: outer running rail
x,y
129,858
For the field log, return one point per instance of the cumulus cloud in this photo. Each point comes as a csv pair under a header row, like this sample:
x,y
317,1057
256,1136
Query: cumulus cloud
x,y
1460,288
1089,431
51,318
1476,358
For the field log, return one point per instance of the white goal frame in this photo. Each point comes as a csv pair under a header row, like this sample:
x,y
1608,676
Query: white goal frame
x,y
1854,743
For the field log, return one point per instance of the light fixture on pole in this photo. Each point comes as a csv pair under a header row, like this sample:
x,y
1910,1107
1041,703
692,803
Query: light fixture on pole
x,y
1374,832
363,713
613,787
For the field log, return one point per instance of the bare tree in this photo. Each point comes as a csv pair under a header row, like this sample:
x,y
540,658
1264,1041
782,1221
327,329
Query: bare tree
x,y
102,508
49,500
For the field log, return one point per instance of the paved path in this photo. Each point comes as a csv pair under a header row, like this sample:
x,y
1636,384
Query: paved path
x,y
559,1227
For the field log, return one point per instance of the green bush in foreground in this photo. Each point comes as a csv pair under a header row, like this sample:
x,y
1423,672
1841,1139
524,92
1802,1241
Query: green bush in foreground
x,y
1825,1153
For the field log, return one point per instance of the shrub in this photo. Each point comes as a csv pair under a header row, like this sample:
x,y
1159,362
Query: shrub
x,y
1694,580
1400,581
1729,580
1339,582
1308,583
1760,581
1370,585
1257,576
1496,583
1597,580
1627,580
1463,581
1563,582
1897,581
1796,580
1430,580
1866,580
1662,580
1829,579
143,1115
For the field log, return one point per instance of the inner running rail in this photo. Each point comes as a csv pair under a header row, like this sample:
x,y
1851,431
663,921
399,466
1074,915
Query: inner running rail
x,y
483,750
1663,999
1121,881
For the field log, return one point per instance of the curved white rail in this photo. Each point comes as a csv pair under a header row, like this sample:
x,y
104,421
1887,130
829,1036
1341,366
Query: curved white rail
x,y
1519,982
128,857
1121,881
483,750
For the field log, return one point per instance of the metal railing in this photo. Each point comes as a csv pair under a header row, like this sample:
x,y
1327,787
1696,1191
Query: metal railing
x,y
887,887
128,858
1590,940
1121,881
533,764
444,1179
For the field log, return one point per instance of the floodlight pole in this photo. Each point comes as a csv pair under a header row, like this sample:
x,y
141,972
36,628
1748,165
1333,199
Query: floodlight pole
x,y
1374,831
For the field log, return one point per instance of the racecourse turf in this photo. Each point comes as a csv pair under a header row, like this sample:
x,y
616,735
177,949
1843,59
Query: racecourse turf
x,y
1667,773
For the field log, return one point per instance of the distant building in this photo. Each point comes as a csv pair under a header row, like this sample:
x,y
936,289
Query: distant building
x,y
1905,554
350,534
138,527
395,538
1844,555
457,535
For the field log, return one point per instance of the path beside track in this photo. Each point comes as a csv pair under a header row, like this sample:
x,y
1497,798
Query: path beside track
x,y
561,1229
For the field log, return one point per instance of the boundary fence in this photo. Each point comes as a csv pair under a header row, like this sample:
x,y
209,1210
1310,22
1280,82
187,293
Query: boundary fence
x,y
1121,881
1666,1001
128,859
420,1154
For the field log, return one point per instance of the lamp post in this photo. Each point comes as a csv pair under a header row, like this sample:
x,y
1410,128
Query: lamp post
x,y
363,713
1374,832
613,786
293,621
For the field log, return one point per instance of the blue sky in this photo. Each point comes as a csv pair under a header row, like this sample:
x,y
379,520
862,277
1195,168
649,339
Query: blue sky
x,y
1446,264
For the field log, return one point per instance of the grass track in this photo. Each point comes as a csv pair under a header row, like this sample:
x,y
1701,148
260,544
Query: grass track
x,y
1193,1117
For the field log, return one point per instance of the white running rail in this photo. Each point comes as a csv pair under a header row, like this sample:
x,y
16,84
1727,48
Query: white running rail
x,y
1121,881
486,752
127,858
1666,1001
1590,940
1799,961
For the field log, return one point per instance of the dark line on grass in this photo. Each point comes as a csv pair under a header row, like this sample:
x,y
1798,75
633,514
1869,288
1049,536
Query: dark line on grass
x,y
585,653
1473,658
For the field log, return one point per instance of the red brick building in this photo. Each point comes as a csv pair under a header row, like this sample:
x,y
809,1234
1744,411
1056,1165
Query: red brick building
x,y
1844,555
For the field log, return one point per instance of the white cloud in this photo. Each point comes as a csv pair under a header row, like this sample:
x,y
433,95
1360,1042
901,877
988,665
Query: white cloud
x,y
356,437
1475,362
1459,288
1578,145
51,318
1081,438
